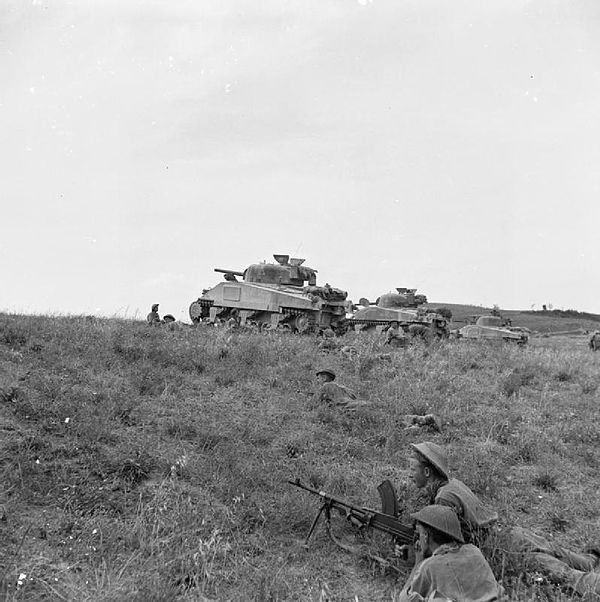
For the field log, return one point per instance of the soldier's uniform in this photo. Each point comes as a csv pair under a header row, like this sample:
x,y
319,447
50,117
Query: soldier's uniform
x,y
453,572
335,395
474,516
580,571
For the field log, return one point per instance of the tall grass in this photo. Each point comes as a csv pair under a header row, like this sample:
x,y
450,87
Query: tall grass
x,y
151,463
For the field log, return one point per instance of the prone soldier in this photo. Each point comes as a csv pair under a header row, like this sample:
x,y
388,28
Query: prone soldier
x,y
334,395
429,470
446,567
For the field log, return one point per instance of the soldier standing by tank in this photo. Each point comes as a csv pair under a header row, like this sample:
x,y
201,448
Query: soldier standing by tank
x,y
153,317
429,471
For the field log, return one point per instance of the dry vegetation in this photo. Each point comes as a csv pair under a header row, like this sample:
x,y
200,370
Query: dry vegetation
x,y
150,464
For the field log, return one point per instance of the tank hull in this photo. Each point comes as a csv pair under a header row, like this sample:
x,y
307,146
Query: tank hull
x,y
475,331
412,321
299,308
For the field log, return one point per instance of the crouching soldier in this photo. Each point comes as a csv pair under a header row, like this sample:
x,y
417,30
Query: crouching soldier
x,y
446,568
153,318
395,336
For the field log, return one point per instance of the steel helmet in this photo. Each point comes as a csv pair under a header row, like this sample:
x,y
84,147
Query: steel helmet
x,y
442,519
434,454
327,371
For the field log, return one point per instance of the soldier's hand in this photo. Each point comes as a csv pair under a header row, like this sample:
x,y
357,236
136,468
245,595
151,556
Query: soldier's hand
x,y
404,552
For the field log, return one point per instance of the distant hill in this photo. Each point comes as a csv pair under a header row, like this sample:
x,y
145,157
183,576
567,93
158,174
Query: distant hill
x,y
555,320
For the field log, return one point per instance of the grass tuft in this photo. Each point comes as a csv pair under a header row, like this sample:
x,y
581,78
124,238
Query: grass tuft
x,y
546,481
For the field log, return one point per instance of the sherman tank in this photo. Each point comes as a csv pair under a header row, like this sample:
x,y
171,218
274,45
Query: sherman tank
x,y
404,307
282,294
494,327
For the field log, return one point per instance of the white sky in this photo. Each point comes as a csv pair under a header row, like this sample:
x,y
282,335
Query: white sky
x,y
449,146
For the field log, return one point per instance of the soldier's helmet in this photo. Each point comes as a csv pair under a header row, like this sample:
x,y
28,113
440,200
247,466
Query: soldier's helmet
x,y
155,307
327,371
442,519
434,454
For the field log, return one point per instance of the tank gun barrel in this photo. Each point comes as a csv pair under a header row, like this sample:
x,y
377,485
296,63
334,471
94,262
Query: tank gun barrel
x,y
234,272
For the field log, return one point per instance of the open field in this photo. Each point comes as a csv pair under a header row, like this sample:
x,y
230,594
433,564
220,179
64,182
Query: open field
x,y
150,464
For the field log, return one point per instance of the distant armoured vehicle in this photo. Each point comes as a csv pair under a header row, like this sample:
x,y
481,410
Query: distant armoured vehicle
x,y
273,294
405,308
494,327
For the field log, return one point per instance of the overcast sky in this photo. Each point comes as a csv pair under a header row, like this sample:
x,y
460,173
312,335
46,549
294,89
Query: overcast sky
x,y
449,146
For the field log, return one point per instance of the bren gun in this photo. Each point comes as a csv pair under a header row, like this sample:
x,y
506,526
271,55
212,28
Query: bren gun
x,y
363,518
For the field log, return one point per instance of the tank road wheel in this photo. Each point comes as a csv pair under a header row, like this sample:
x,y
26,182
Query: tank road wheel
x,y
302,323
195,312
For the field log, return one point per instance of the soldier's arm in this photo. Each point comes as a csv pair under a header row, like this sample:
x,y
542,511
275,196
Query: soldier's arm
x,y
418,585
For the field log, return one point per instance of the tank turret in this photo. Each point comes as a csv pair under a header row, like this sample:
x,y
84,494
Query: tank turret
x,y
405,297
286,271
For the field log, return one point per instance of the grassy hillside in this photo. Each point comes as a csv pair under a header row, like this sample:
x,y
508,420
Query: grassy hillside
x,y
150,464
537,321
